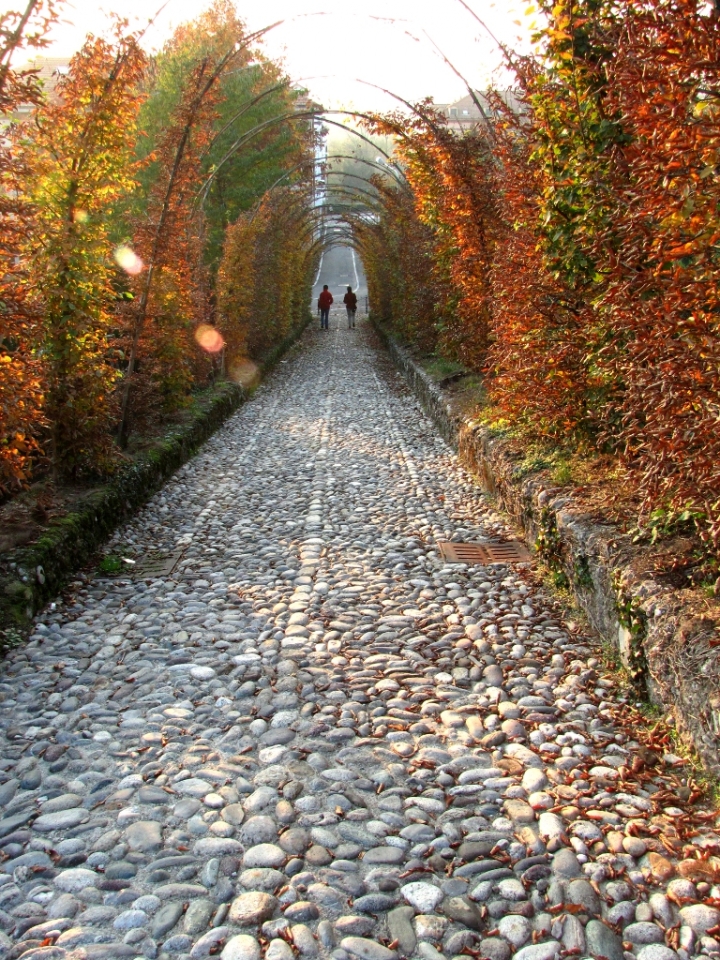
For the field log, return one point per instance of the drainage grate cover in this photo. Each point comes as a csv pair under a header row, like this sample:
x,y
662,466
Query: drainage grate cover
x,y
489,551
154,564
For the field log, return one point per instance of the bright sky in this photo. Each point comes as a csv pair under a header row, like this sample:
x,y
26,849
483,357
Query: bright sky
x,y
329,45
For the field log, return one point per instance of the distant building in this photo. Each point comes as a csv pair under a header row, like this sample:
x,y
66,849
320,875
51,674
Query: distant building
x,y
464,116
50,71
305,104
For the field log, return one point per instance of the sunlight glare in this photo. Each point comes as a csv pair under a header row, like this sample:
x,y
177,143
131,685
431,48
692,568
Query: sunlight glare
x,y
129,261
209,338
244,372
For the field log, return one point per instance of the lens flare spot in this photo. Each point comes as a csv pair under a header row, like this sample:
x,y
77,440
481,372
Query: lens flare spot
x,y
81,216
209,338
129,261
244,372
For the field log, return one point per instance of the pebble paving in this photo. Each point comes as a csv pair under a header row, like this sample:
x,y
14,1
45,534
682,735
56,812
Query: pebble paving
x,y
314,738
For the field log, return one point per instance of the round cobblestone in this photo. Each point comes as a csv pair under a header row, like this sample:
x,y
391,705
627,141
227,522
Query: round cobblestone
x,y
315,733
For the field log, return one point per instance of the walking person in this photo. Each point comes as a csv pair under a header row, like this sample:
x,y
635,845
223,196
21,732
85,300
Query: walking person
x,y
325,301
350,301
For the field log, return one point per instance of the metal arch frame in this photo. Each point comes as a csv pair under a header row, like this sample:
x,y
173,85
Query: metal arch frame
x,y
290,118
346,218
342,156
348,240
315,214
372,163
351,176
342,231
369,200
353,189
411,106
248,105
313,161
306,220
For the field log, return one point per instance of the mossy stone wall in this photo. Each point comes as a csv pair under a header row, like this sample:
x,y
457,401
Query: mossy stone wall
x,y
668,650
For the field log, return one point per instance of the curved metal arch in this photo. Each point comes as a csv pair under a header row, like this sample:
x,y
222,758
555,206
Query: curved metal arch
x,y
327,237
309,218
361,136
342,229
359,224
327,240
381,190
371,163
346,243
346,232
320,213
258,203
411,106
352,189
309,213
248,105
313,161
290,118
351,176
348,240
370,200
306,221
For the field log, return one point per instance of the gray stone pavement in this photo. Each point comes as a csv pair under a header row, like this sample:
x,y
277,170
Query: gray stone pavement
x,y
314,738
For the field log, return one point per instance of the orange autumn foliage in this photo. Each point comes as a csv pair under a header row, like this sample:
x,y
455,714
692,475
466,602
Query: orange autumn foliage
x,y
78,155
265,278
113,219
22,419
574,244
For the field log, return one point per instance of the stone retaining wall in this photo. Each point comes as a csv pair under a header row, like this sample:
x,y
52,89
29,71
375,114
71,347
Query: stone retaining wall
x,y
673,651
31,576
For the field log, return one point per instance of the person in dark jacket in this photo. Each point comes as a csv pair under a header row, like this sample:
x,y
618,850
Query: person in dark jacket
x,y
350,301
325,301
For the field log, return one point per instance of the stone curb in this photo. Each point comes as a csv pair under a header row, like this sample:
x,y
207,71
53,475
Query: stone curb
x,y
31,576
671,650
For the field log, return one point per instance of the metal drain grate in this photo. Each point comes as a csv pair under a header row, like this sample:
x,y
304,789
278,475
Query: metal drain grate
x,y
154,564
490,551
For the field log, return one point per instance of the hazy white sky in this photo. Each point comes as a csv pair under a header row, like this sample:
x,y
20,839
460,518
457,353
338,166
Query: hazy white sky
x,y
331,44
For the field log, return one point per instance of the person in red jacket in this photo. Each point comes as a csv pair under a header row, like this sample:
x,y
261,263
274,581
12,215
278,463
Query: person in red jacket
x,y
325,301
350,301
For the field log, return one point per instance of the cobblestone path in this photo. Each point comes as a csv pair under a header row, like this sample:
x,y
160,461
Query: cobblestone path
x,y
314,739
